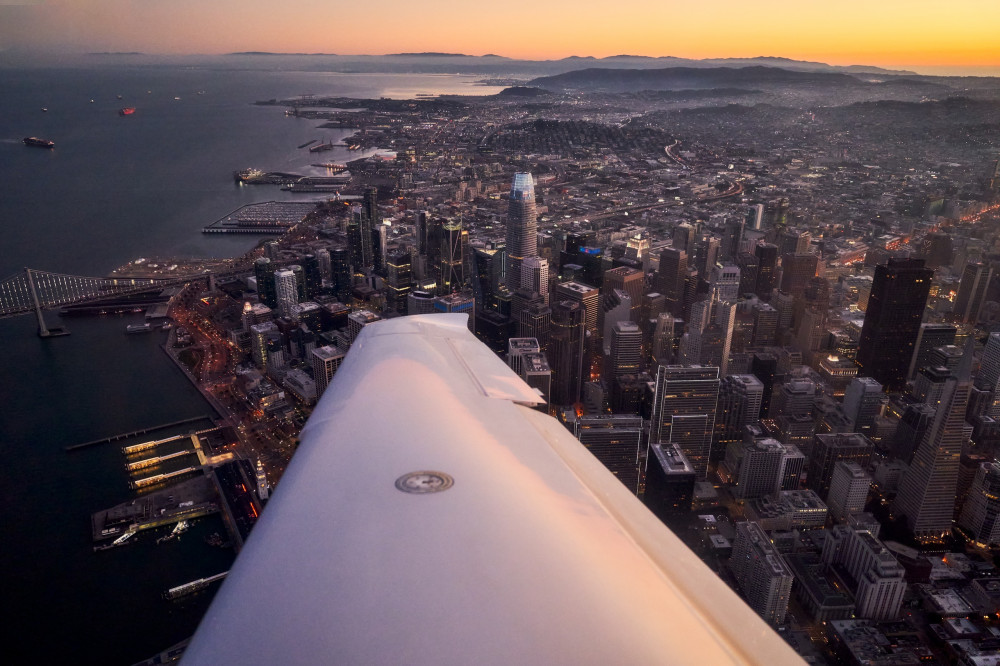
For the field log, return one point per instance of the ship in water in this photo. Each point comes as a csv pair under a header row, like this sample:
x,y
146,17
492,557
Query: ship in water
x,y
39,143
179,529
126,111
139,328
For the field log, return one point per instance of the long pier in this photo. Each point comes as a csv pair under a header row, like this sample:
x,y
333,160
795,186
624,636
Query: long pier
x,y
126,435
160,478
150,462
193,586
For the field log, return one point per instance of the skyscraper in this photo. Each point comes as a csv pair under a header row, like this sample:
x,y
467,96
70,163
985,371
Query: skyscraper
x,y
767,263
287,288
566,347
892,321
762,574
398,280
927,490
264,272
863,404
325,361
670,278
848,490
453,244
972,292
614,440
522,227
929,337
535,276
626,351
981,513
684,406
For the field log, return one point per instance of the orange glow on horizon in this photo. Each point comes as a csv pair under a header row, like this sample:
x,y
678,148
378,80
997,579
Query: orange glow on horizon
x,y
890,33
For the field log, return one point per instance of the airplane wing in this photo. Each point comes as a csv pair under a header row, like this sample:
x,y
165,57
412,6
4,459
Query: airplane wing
x,y
431,515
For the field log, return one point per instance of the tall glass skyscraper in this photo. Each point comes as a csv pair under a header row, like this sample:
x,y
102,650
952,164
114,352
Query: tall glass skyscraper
x,y
522,227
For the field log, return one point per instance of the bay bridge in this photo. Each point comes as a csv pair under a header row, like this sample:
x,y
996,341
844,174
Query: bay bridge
x,y
35,291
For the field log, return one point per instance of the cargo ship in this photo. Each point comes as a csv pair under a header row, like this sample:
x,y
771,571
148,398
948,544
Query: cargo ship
x,y
126,111
40,143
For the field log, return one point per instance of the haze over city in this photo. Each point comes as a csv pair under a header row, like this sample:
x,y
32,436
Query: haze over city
x,y
921,36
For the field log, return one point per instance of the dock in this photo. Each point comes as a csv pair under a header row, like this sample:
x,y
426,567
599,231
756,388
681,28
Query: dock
x,y
193,586
188,499
126,435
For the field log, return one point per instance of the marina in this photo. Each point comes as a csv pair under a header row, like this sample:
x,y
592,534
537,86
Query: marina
x,y
270,217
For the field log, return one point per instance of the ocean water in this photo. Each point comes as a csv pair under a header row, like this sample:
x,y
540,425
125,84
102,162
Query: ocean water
x,y
115,189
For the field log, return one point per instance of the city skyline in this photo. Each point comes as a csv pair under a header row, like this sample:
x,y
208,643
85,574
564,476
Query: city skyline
x,y
890,34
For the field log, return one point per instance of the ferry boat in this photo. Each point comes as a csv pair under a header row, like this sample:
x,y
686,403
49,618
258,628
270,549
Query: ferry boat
x,y
38,143
139,328
126,111
179,528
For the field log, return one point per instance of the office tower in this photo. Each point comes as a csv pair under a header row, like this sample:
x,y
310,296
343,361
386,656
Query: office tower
x,y
671,276
287,289
740,398
452,270
749,266
277,356
762,574
566,350
616,306
863,401
626,351
325,263
586,259
535,276
487,277
760,468
725,282
419,302
929,336
972,292
989,366
892,321
588,297
848,490
264,270
372,227
398,280
684,404
359,239
764,366
981,514
325,361
767,264
358,320
830,448
522,227
755,216
259,335
340,269
616,441
765,325
936,249
536,322
717,337
706,254
300,280
421,230
663,339
947,356
516,350
795,397
312,275
879,580
683,238
796,271
458,302
536,373
927,491
629,280
732,238
669,487
256,313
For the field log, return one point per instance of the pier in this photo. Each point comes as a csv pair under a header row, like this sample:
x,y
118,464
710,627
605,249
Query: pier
x,y
193,586
162,478
150,462
186,500
126,435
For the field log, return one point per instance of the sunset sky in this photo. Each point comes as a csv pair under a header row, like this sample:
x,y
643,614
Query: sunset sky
x,y
930,36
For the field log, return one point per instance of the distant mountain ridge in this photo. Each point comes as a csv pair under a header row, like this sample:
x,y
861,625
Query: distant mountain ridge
x,y
688,78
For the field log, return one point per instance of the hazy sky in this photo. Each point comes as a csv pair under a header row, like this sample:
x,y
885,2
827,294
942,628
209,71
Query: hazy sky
x,y
920,34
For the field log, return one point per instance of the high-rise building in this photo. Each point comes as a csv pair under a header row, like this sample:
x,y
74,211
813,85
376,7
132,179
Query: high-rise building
x,y
458,302
972,292
488,276
629,280
662,348
830,448
732,238
287,288
535,276
313,276
669,487
588,297
767,264
373,228
848,490
566,351
863,401
522,227
358,320
626,350
536,373
760,469
725,282
616,441
453,245
671,276
879,580
892,321
929,337
264,270
684,404
516,350
740,398
796,271
359,239
325,361
536,322
259,335
927,490
398,280
981,514
762,574
341,275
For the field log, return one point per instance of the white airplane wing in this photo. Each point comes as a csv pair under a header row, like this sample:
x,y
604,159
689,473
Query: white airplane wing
x,y
430,516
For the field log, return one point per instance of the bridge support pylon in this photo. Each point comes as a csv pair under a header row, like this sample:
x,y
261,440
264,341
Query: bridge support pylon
x,y
43,330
